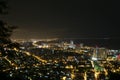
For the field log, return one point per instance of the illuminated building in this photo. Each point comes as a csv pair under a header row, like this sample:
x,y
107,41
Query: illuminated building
x,y
100,53
70,45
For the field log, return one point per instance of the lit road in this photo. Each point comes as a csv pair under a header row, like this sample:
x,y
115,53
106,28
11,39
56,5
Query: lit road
x,y
33,55
95,72
85,76
37,57
11,63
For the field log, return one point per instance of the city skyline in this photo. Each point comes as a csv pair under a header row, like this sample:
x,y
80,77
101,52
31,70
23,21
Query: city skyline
x,y
59,40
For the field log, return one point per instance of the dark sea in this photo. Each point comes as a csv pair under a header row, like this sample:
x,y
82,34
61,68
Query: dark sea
x,y
99,42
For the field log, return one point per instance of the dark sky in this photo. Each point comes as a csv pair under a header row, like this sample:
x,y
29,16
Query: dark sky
x,y
64,18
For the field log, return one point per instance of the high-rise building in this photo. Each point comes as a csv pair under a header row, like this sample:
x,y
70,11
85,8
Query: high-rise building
x,y
100,53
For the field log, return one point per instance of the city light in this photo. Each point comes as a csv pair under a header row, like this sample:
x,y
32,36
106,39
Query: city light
x,y
55,60
93,58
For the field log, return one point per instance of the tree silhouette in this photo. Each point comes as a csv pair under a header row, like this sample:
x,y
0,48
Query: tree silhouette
x,y
5,29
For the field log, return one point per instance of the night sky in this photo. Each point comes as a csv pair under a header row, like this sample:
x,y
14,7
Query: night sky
x,y
64,18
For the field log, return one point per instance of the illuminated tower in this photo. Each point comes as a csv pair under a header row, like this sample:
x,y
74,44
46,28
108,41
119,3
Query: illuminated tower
x,y
95,54
72,45
71,42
